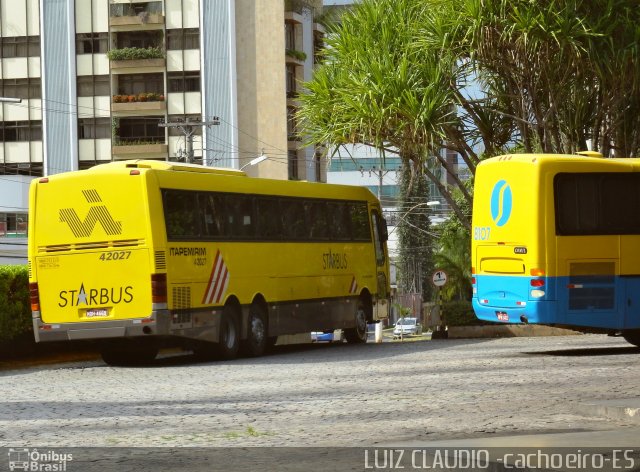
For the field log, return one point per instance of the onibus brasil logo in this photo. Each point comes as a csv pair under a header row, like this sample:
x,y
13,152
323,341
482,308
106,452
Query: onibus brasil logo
x,y
34,460
501,203
98,213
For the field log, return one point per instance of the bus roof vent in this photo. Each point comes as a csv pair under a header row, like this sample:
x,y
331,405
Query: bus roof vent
x,y
590,154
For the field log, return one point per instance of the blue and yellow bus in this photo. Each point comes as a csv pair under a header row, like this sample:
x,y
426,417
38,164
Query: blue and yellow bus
x,y
139,254
556,241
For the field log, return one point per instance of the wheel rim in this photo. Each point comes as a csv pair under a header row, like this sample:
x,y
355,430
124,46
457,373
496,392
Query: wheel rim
x,y
257,330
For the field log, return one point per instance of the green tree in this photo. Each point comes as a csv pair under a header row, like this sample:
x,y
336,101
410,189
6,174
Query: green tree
x,y
452,253
416,76
415,255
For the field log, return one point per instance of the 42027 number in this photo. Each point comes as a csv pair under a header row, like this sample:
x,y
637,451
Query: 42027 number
x,y
115,255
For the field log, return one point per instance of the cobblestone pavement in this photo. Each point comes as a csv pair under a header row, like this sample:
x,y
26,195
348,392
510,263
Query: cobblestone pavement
x,y
324,395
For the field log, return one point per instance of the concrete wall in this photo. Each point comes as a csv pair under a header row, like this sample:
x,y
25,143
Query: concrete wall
x,y
260,62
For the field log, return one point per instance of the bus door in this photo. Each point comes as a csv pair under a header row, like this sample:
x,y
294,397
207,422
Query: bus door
x,y
380,236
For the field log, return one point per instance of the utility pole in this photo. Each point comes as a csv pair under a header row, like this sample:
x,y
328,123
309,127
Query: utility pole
x,y
188,128
380,173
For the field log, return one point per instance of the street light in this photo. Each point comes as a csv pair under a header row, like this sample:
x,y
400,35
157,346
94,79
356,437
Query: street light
x,y
256,160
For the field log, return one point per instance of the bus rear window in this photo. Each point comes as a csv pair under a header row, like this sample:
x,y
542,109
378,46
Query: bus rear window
x,y
597,203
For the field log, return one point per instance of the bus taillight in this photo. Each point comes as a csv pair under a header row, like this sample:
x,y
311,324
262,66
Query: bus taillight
x,y
159,288
537,282
34,296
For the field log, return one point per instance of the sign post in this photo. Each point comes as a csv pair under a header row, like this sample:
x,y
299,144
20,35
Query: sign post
x,y
439,279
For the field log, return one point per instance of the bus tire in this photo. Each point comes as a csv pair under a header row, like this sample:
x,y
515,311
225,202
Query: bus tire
x,y
358,335
128,353
229,340
632,337
256,342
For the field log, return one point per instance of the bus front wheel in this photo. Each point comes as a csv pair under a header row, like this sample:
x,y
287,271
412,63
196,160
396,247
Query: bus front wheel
x,y
632,337
358,334
256,342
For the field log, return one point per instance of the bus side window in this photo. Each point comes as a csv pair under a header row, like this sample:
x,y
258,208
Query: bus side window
x,y
293,219
317,211
269,221
212,210
360,222
339,221
240,216
181,214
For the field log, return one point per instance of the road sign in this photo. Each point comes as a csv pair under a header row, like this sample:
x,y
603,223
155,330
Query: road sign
x,y
439,278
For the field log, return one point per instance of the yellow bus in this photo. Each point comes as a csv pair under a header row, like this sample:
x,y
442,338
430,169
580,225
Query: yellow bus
x,y
556,241
141,254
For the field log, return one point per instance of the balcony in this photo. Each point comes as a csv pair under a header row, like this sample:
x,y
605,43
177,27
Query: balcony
x,y
141,104
136,16
295,57
142,147
132,60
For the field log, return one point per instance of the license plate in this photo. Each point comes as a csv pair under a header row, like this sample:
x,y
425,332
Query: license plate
x,y
502,316
97,313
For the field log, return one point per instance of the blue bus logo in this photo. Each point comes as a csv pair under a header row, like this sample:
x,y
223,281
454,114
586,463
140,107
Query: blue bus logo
x,y
501,203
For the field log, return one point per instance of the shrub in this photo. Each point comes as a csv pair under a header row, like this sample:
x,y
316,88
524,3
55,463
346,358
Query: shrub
x,y
15,307
460,313
300,55
127,54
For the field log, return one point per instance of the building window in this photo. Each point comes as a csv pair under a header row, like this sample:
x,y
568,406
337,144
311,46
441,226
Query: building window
x,y
139,39
292,134
183,38
289,36
291,80
293,165
94,128
93,85
92,43
133,84
20,131
13,224
139,9
20,46
185,81
139,131
21,88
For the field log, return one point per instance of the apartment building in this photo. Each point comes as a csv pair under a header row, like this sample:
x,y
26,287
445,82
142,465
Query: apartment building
x,y
206,81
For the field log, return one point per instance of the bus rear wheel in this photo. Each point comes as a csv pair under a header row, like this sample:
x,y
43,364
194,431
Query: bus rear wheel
x,y
256,342
632,337
229,341
358,335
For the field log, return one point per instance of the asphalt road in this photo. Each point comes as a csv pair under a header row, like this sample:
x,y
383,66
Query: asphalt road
x,y
327,395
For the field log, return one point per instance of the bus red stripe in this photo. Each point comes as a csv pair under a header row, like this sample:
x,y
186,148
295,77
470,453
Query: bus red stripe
x,y
206,299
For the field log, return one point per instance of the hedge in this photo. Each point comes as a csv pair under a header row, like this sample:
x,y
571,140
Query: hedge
x,y
15,308
460,313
